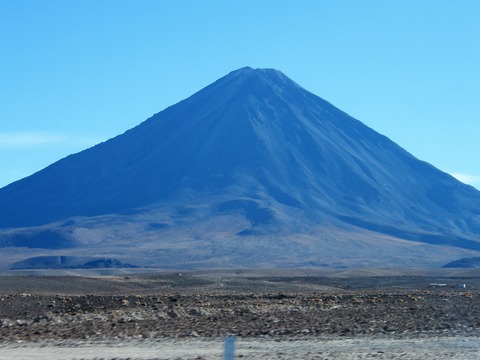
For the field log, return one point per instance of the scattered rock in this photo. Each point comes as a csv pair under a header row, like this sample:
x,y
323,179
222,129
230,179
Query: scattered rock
x,y
41,317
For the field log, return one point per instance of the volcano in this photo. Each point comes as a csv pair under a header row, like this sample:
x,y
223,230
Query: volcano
x,y
251,171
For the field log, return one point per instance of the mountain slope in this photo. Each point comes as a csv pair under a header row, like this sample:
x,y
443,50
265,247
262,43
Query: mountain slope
x,y
254,143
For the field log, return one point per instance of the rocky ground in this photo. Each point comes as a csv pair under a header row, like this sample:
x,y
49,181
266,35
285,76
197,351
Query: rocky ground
x,y
204,310
39,317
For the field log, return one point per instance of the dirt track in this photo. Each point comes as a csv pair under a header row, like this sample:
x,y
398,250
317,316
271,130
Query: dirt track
x,y
458,347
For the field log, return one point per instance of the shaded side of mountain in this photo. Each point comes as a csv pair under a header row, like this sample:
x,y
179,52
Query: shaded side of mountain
x,y
68,262
40,239
433,239
253,211
473,262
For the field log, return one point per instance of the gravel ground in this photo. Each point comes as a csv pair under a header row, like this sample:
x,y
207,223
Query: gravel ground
x,y
26,317
157,320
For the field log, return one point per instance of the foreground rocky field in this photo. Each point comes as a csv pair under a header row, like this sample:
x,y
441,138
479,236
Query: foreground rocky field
x,y
38,317
145,311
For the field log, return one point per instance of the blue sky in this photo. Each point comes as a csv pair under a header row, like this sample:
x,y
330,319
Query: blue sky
x,y
74,73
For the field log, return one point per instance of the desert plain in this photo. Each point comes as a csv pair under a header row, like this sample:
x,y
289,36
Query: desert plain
x,y
272,314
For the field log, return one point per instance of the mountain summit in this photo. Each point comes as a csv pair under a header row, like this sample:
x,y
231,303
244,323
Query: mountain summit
x,y
251,163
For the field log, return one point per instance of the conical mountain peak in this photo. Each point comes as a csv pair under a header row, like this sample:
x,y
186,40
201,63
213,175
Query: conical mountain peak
x,y
259,154
257,83
248,71
267,74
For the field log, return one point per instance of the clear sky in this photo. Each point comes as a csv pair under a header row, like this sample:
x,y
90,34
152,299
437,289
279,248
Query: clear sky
x,y
77,72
